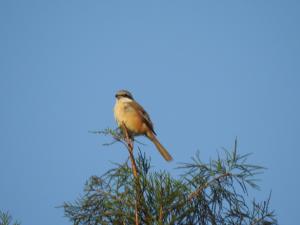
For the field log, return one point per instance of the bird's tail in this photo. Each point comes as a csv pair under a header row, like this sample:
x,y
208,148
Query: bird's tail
x,y
159,147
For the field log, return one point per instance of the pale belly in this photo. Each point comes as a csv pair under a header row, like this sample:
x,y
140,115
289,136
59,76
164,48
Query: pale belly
x,y
130,117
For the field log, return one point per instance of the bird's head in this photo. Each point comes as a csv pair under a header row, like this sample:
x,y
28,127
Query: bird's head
x,y
124,94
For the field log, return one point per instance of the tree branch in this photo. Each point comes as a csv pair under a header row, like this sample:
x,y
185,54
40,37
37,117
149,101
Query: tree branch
x,y
201,188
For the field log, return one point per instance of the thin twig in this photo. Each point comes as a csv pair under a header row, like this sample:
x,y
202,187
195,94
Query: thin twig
x,y
129,142
201,188
257,221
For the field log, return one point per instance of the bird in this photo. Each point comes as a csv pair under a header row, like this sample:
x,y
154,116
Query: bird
x,y
137,121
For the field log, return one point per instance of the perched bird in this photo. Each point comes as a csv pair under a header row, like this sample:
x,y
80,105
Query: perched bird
x,y
136,120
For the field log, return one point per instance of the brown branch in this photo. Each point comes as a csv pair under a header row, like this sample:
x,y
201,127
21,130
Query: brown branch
x,y
127,140
161,215
201,188
129,143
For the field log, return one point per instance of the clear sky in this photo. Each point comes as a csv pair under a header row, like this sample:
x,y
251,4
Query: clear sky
x,y
206,71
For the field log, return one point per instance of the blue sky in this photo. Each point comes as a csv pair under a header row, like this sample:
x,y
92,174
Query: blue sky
x,y
206,71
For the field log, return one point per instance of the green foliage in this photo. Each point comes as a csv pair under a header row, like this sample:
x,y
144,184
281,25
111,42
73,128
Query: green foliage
x,y
205,193
6,219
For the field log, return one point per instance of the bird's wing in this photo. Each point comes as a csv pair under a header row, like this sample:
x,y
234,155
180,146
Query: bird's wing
x,y
143,113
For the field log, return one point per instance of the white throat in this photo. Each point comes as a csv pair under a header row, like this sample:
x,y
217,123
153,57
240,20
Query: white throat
x,y
124,99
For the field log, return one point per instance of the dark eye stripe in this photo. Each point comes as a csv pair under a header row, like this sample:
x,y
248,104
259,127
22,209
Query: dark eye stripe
x,y
122,95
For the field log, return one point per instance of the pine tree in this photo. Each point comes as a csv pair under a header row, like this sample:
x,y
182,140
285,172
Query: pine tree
x,y
6,219
206,193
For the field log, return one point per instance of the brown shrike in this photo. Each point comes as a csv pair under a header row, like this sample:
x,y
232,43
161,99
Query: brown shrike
x,y
136,120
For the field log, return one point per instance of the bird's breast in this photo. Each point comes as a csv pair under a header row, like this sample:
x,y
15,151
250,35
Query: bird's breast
x,y
124,113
